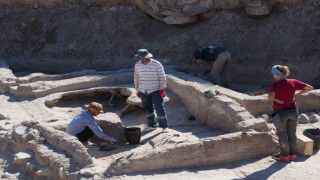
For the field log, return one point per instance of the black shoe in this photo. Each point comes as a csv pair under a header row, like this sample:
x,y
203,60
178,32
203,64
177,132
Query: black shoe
x,y
276,157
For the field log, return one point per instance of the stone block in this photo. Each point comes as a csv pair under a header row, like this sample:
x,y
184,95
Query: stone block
x,y
6,127
44,172
185,2
155,14
22,158
258,11
314,118
194,10
19,133
169,11
127,91
305,145
303,119
180,19
91,171
255,3
33,135
111,124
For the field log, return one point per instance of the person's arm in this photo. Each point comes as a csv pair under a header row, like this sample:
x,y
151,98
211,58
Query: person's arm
x,y
162,76
98,131
197,67
306,89
136,78
271,97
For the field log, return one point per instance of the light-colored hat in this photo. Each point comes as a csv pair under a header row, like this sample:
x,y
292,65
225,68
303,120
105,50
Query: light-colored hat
x,y
95,106
143,54
276,72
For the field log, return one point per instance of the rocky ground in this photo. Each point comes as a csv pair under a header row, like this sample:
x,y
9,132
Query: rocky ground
x,y
181,130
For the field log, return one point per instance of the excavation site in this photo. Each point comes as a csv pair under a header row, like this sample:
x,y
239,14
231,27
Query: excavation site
x,y
57,57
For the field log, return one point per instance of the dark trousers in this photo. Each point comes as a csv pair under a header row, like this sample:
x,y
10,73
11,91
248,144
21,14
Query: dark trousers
x,y
154,100
286,125
85,135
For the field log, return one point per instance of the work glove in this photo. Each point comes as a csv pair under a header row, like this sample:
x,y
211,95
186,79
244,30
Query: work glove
x,y
138,94
162,93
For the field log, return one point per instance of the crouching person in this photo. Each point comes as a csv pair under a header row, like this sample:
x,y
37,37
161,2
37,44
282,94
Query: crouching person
x,y
84,126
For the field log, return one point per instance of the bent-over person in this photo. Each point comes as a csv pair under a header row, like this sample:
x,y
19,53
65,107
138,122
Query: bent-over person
x,y
84,126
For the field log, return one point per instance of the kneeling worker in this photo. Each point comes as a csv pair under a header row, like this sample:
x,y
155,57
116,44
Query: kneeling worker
x,y
84,126
219,60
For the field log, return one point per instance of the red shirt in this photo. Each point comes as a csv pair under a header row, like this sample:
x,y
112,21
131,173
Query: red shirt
x,y
285,90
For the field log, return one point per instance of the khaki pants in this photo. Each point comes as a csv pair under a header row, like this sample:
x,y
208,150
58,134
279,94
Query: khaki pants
x,y
221,64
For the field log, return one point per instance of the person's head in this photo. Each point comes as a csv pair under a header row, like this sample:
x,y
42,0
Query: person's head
x,y
143,55
280,72
94,108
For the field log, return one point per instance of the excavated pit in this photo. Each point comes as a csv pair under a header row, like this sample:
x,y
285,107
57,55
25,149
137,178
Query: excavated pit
x,y
227,121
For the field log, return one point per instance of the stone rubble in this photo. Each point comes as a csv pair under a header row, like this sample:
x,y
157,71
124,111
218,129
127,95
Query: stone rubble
x,y
303,119
173,11
314,118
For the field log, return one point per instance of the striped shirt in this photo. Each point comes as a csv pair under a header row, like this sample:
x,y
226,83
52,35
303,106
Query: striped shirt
x,y
149,78
85,119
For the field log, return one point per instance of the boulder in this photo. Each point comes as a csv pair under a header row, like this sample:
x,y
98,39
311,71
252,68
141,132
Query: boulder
x,y
180,19
111,124
169,11
255,3
5,126
155,14
266,118
22,158
91,171
19,133
194,10
303,119
314,118
2,116
258,11
185,2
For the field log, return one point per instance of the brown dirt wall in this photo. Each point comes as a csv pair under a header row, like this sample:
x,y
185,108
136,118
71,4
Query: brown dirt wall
x,y
81,36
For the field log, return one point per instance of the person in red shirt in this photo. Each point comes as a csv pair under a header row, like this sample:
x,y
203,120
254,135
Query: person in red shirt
x,y
283,95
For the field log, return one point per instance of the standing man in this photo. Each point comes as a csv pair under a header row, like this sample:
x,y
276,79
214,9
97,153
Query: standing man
x,y
219,60
84,126
150,81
